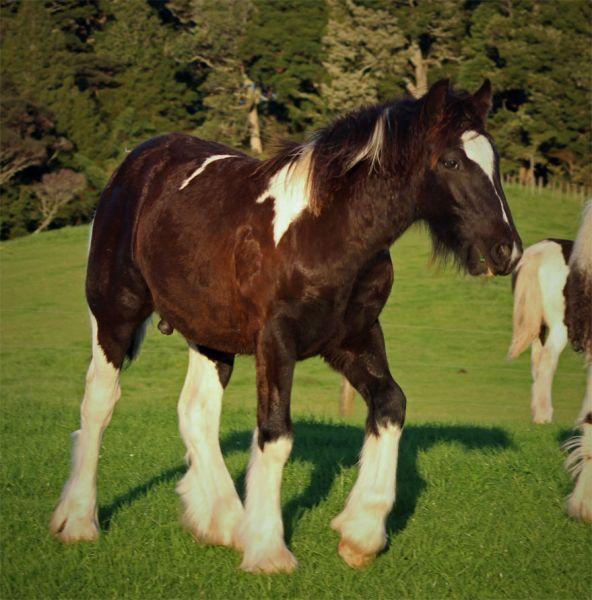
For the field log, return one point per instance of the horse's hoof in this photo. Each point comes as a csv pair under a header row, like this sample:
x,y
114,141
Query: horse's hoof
x,y
579,503
353,555
69,530
542,417
281,560
223,527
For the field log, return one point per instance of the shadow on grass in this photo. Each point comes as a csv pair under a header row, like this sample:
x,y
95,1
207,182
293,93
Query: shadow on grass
x,y
106,513
331,448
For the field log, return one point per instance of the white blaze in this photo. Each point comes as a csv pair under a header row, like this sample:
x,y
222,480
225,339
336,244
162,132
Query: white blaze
x,y
479,150
201,169
289,188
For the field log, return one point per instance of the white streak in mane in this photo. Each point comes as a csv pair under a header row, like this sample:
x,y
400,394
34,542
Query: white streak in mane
x,y
581,255
373,148
290,190
201,169
479,150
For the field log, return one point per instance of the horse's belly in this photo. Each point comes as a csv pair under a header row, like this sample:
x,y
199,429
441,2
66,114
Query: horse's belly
x,y
213,320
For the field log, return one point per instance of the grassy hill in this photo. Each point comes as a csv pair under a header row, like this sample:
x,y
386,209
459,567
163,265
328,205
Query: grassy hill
x,y
480,489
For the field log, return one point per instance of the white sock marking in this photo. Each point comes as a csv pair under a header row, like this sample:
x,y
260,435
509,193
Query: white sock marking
x,y
479,150
373,495
205,163
289,188
212,506
262,530
75,517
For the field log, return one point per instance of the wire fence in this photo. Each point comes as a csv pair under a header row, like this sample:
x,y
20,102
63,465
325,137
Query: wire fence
x,y
538,185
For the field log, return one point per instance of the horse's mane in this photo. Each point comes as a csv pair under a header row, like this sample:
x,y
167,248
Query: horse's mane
x,y
382,138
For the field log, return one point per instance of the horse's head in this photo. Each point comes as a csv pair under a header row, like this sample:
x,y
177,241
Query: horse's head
x,y
462,197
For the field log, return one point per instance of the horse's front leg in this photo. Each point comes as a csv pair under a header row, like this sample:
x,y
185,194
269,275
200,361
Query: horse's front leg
x,y
579,504
362,522
261,534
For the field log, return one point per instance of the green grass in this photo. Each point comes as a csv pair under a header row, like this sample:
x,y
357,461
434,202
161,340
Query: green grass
x,y
480,493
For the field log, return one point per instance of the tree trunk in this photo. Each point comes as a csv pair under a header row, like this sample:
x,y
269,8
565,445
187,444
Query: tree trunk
x,y
420,86
346,398
254,131
253,97
46,222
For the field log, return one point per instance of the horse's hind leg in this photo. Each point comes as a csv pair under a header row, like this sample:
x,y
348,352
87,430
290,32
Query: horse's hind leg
x,y
579,503
212,506
75,517
544,364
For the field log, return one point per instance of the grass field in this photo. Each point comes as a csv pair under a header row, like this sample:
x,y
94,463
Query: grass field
x,y
480,495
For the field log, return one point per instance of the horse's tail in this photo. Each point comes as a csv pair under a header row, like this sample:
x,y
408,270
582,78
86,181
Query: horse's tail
x,y
134,348
528,302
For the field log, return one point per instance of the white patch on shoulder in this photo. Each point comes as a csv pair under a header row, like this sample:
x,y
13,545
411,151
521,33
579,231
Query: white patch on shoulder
x,y
290,189
479,150
201,169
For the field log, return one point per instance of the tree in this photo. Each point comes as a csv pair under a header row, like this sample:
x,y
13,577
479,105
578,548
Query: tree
x,y
213,31
145,93
42,70
55,191
362,47
28,135
282,54
537,55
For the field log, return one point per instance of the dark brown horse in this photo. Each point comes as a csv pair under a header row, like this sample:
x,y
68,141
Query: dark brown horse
x,y
284,259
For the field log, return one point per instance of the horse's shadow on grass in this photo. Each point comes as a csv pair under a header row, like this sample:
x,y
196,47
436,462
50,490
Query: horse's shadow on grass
x,y
330,448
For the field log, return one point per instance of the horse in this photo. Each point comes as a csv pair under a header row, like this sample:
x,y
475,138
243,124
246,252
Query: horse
x,y
553,304
538,317
284,259
578,291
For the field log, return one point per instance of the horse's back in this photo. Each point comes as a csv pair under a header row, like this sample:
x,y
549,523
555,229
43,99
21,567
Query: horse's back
x,y
158,241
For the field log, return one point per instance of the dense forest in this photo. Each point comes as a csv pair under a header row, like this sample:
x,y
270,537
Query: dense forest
x,y
84,81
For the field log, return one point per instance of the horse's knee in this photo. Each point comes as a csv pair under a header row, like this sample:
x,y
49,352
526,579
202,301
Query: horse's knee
x,y
272,429
387,407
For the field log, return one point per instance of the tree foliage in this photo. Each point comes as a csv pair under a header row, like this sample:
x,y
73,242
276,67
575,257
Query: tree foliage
x,y
363,48
84,81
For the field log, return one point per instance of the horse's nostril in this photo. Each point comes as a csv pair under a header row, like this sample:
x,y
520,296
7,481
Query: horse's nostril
x,y
505,251
501,254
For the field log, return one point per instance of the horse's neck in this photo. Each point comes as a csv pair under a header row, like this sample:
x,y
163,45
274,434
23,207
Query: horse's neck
x,y
363,224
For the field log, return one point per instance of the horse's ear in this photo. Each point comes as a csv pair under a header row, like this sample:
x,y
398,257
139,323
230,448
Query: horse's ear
x,y
436,96
481,99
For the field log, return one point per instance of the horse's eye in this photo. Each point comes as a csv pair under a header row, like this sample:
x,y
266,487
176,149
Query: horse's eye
x,y
451,164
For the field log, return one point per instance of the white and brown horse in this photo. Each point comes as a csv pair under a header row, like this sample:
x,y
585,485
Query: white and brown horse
x,y
553,303
539,312
284,259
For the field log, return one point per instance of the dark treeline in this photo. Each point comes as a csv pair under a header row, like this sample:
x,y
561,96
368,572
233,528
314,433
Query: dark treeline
x,y
84,81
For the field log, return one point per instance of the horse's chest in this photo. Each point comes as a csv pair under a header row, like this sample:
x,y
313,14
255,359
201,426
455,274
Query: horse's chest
x,y
348,310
